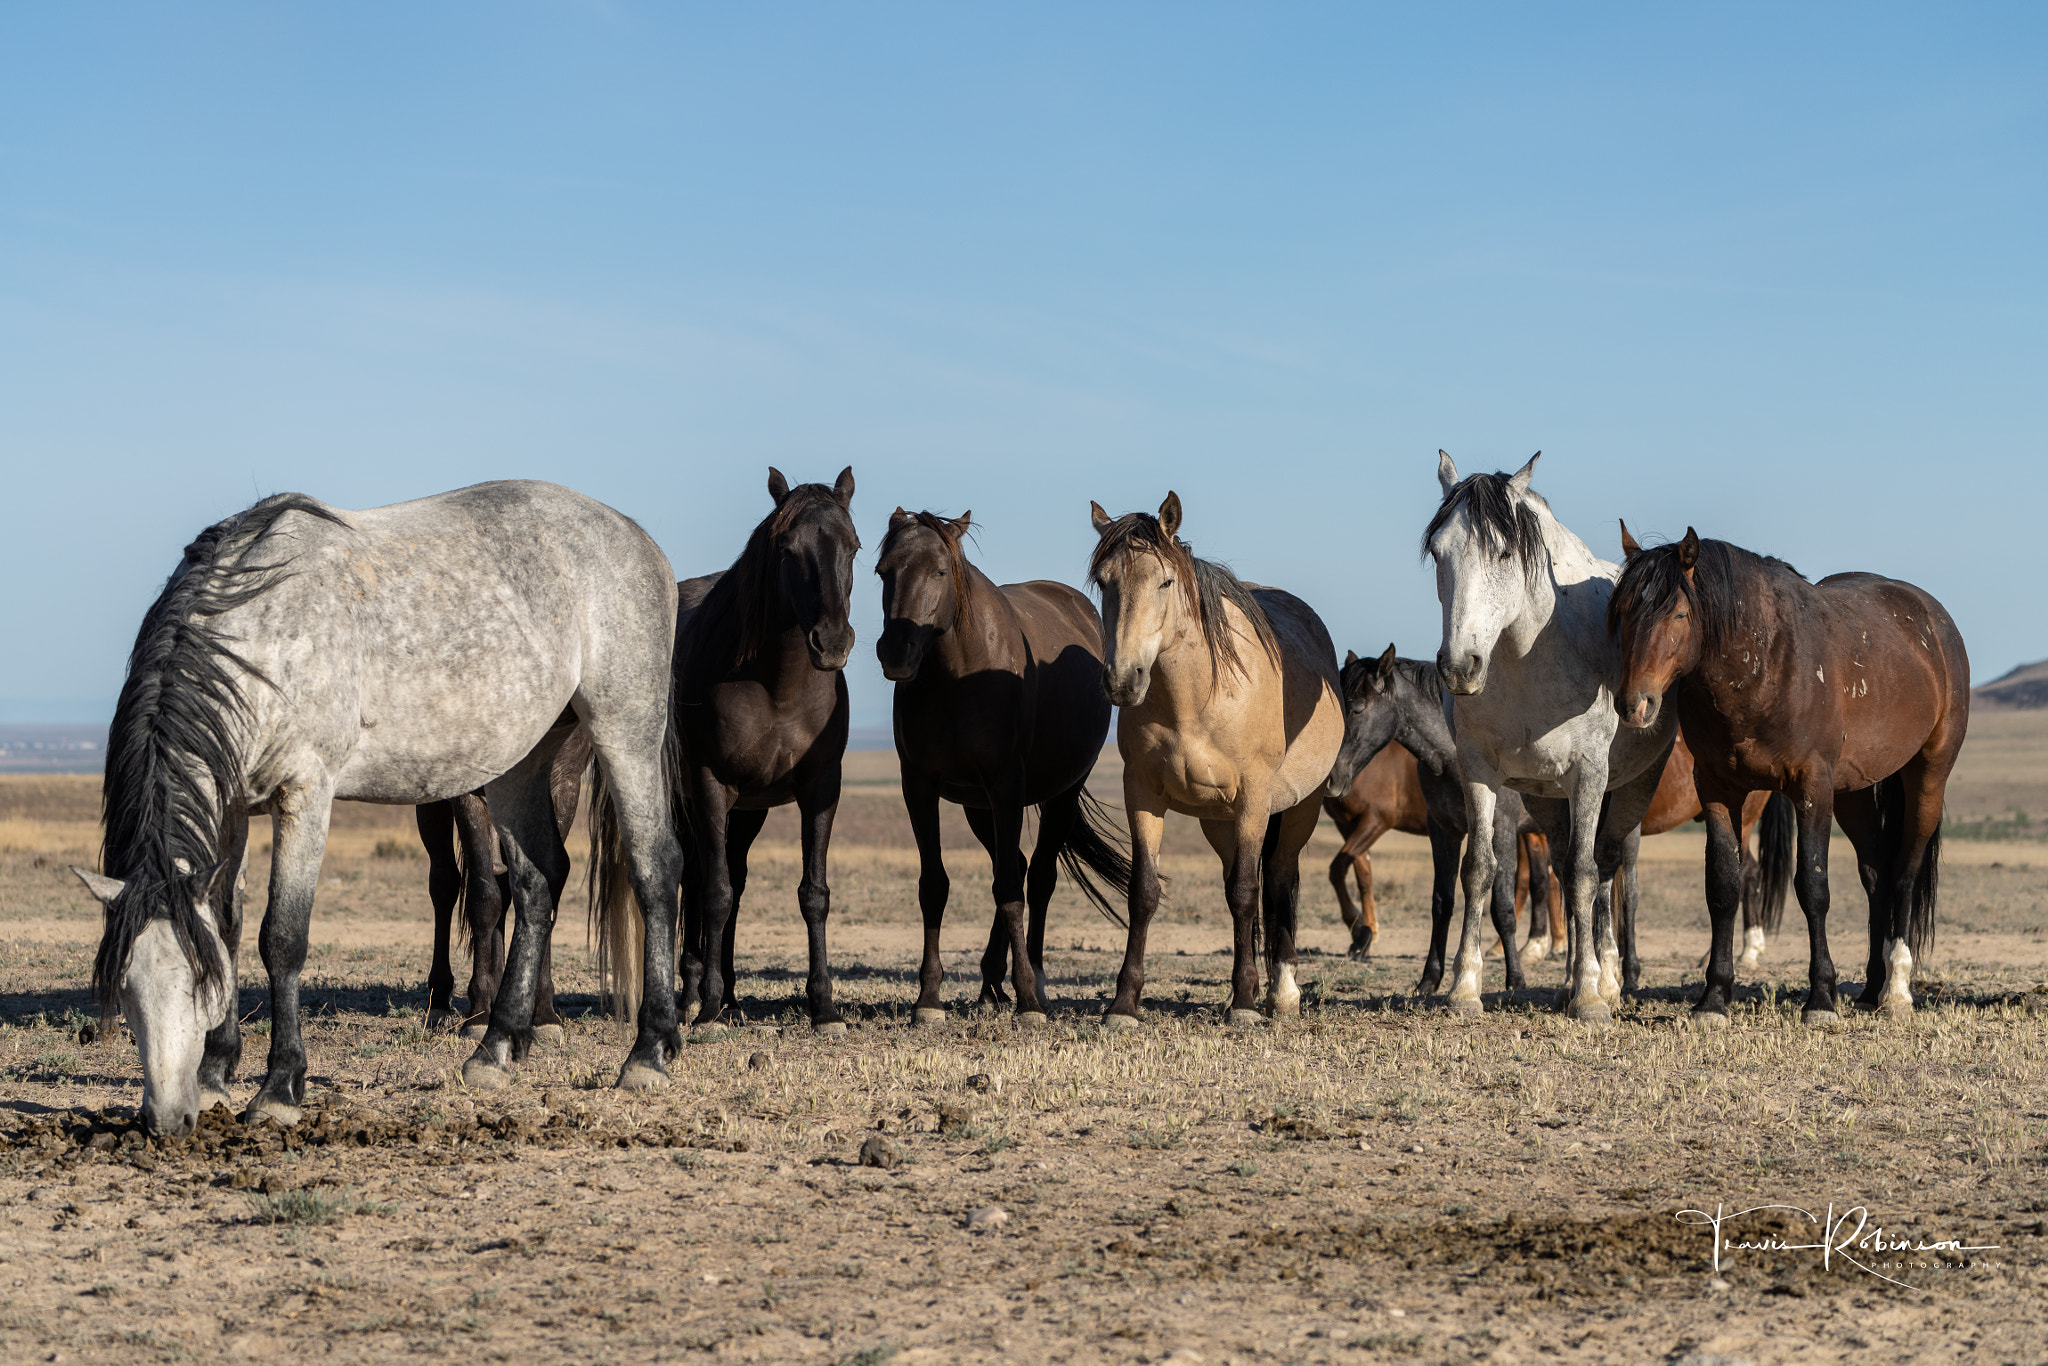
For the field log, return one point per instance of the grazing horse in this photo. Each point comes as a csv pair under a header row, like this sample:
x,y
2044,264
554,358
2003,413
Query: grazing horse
x,y
1533,674
1852,695
403,654
999,706
759,717
1388,702
463,866
1230,714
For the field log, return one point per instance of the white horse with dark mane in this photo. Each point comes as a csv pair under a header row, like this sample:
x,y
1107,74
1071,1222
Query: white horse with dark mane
x,y
300,654
1533,675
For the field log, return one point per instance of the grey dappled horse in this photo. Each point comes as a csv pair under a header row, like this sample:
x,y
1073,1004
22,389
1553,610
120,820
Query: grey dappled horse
x,y
1533,676
404,654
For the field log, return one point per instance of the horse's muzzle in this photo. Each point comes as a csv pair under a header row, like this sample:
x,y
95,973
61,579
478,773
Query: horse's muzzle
x,y
1465,678
901,649
829,647
1639,712
1126,688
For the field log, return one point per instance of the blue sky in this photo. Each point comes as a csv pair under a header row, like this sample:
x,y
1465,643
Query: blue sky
x,y
1776,272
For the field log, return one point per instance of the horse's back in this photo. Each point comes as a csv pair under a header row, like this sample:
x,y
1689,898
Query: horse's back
x,y
1902,672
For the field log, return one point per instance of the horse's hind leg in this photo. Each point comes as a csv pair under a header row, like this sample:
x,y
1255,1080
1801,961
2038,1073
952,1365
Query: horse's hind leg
x,y
298,816
1628,897
1506,846
436,821
1913,878
223,1051
524,816
1857,813
1280,889
1444,844
485,900
548,1027
1057,820
995,958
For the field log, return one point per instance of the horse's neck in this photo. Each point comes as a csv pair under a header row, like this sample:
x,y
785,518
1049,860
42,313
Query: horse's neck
x,y
1424,731
982,637
1569,605
1184,677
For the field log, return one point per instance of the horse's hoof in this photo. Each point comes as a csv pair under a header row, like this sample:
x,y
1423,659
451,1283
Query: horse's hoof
x,y
553,1035
927,1016
1709,1021
270,1110
1244,1019
1592,1012
1749,959
690,1011
209,1099
476,1031
641,1076
1121,1022
828,1026
1898,1009
1820,1019
1284,1010
443,1018
1464,1005
480,1073
1030,1019
708,1029
1358,955
1535,951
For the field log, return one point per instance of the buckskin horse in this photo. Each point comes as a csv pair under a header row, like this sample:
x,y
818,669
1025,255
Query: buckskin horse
x,y
301,654
758,719
1852,695
1230,714
999,706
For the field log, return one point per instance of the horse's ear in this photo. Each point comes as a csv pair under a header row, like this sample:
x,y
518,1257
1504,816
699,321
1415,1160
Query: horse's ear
x,y
842,487
1689,550
104,889
1629,548
1350,658
1446,472
778,487
899,516
1169,514
1100,518
1385,669
961,524
1519,480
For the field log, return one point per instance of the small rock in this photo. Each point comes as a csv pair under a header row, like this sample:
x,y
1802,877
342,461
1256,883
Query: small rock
x,y
1418,1147
1185,1356
952,1118
756,1061
87,1034
986,1081
1718,1284
1711,1359
1397,1313
1363,1146
880,1150
987,1218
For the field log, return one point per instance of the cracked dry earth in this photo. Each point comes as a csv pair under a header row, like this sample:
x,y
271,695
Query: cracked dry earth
x,y
1374,1181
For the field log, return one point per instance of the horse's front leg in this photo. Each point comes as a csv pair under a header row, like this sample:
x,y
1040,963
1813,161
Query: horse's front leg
x,y
1238,843
223,1052
1585,1002
436,821
934,886
816,806
1145,812
710,809
1280,877
1481,866
1506,857
1445,843
298,817
484,904
1006,853
1724,900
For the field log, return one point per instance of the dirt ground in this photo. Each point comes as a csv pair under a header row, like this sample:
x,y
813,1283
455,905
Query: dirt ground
x,y
1376,1180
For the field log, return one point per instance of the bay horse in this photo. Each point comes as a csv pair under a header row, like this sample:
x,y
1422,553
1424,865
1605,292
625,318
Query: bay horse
x,y
1852,695
1532,672
301,654
1230,714
1391,701
464,869
999,705
759,717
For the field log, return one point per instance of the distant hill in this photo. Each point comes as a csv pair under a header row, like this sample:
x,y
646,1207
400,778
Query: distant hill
x,y
2024,689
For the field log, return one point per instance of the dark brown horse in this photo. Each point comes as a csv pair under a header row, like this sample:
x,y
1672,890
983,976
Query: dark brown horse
x,y
464,866
999,706
1387,795
1852,695
757,719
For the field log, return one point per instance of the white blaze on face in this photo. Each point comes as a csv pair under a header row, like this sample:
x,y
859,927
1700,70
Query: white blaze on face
x,y
170,1017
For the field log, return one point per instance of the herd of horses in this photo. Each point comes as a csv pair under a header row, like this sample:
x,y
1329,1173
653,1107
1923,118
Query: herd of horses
x,y
301,654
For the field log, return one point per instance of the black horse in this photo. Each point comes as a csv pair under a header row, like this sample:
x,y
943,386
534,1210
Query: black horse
x,y
757,719
999,706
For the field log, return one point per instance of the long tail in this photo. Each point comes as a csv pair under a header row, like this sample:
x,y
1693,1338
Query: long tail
x,y
1891,833
1777,847
615,919
1092,850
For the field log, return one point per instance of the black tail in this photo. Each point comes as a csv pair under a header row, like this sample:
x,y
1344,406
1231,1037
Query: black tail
x,y
1777,848
1891,833
1092,850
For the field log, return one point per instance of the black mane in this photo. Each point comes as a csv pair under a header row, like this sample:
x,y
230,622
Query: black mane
x,y
1502,523
177,723
742,608
1653,581
956,558
1205,586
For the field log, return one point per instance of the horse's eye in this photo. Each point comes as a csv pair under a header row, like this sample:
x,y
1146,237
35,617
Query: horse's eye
x,y
1165,584
1680,615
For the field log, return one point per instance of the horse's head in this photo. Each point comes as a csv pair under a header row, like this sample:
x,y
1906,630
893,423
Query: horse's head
x,y
1654,617
1372,714
1147,578
1487,541
814,548
164,966
922,572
